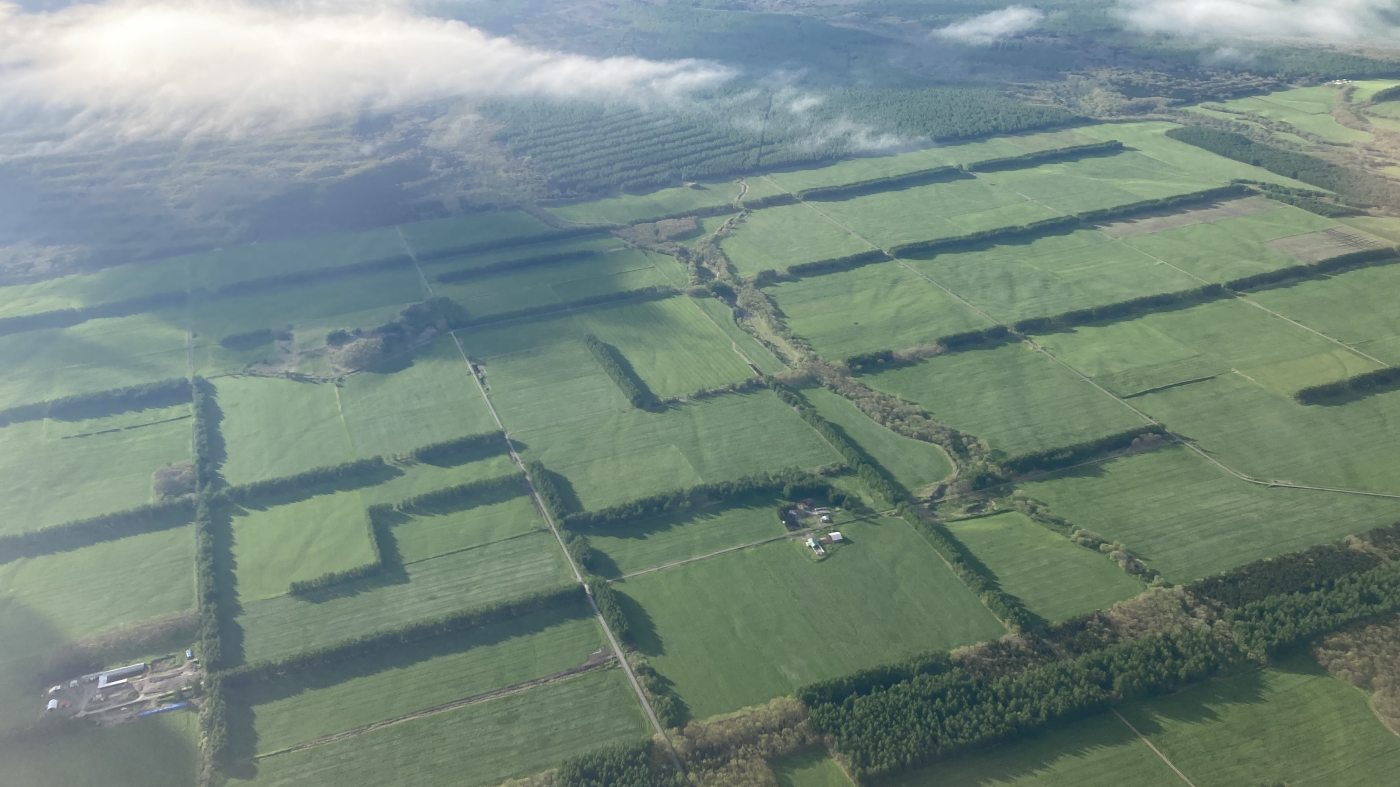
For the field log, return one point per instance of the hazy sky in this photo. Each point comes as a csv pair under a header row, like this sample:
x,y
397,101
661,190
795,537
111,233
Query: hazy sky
x,y
1332,20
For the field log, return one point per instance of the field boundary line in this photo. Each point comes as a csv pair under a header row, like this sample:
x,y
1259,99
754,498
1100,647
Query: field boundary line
x,y
1154,749
578,575
409,249
475,699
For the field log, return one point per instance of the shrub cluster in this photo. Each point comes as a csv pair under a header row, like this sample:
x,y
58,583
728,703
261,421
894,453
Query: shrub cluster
x,y
608,606
670,710
206,436
471,494
621,373
548,489
258,491
1121,310
770,201
831,265
885,359
164,393
1377,381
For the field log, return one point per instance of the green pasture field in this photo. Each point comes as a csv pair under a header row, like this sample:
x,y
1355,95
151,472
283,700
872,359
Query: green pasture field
x,y
657,540
1386,227
784,235
883,306
914,464
1051,275
411,478
475,746
632,208
276,627
1307,108
1055,577
301,707
1150,139
813,768
1015,398
760,187
275,427
78,593
476,228
299,541
97,355
161,751
1230,248
108,285
937,210
221,268
741,628
1292,724
619,271
1352,307
1270,437
1101,182
583,244
51,475
1368,88
753,349
393,409
1217,338
614,458
424,537
673,347
1189,519
1099,751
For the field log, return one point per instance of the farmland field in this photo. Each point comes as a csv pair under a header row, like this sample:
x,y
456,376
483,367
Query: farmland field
x,y
479,229
275,427
298,542
1097,183
777,237
628,208
751,348
938,210
741,628
1056,578
586,277
1347,307
910,462
1232,247
809,769
660,539
158,752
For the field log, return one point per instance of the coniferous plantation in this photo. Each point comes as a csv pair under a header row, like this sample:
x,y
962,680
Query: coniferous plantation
x,y
650,394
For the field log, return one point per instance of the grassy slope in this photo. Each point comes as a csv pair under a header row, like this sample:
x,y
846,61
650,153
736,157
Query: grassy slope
x,y
473,746
628,208
300,541
1013,397
1056,578
274,427
1189,519
875,307
777,237
1150,139
1102,182
911,462
747,626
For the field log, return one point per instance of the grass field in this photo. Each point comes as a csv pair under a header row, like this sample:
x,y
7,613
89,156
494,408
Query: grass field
x,y
1103,182
875,307
618,457
475,746
632,208
1171,347
1051,275
741,628
297,708
938,210
1056,578
1230,248
752,349
657,540
913,463
276,427
1308,109
155,752
1189,519
1015,398
276,627
586,277
414,478
809,769
53,475
473,229
428,536
784,235
1150,139
393,410
1350,307
299,541
583,245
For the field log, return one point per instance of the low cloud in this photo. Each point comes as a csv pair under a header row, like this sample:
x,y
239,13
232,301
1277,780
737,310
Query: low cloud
x,y
992,27
151,68
1329,20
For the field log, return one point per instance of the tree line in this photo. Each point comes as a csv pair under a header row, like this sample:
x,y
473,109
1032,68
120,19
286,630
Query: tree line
x,y
875,477
1364,384
1294,572
860,188
1038,157
461,450
100,404
633,389
624,765
68,536
359,472
1122,310
1355,259
506,243
522,263
1064,456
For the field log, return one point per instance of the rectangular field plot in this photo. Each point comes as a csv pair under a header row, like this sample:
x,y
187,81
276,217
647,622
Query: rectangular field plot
x,y
1055,577
475,746
752,349
1352,307
422,537
297,542
1052,275
1230,248
632,208
673,347
777,237
80,290
938,210
1293,723
1015,398
1189,519
657,540
1094,752
809,769
1172,347
1097,183
97,355
60,471
869,168
586,277
1150,139
299,707
741,628
427,238
426,397
582,246
622,456
277,627
914,464
276,427
406,479
876,307
162,751
216,269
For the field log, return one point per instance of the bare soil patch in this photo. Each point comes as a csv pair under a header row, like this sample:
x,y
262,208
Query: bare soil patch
x,y
1172,219
1318,246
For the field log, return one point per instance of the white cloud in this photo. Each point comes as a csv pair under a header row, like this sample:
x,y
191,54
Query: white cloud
x,y
142,68
990,27
1331,20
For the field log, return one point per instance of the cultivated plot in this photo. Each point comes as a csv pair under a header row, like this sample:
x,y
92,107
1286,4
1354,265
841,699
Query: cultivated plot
x,y
1352,307
631,208
752,349
1055,578
464,526
1189,519
938,210
744,627
581,246
654,541
809,769
297,542
1232,247
1068,187
275,427
784,235
1308,109
884,306
1017,399
1150,139
109,285
214,270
